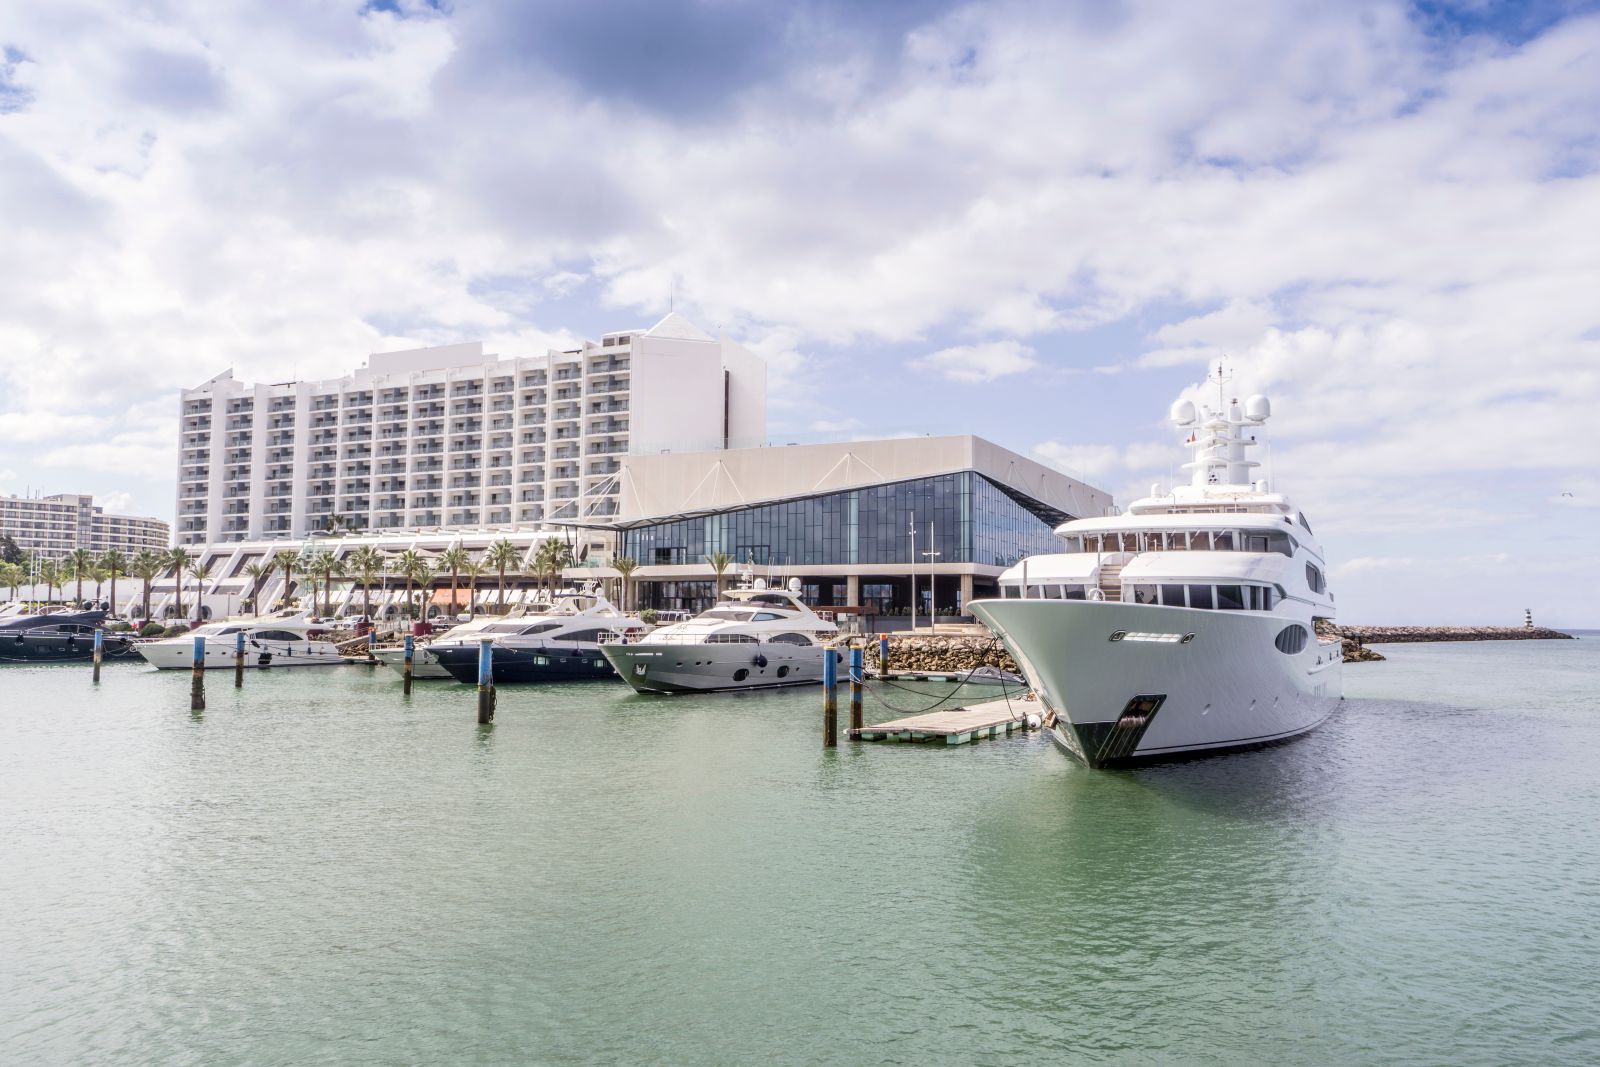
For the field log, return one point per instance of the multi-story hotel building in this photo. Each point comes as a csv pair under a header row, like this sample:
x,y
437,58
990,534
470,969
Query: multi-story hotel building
x,y
450,437
53,526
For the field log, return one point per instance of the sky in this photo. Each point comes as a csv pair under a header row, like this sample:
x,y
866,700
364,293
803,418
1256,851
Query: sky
x,y
1036,222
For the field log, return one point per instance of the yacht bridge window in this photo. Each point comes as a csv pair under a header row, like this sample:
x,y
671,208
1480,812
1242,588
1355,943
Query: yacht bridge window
x,y
1183,541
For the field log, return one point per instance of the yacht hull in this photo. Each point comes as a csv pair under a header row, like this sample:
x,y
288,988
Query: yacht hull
x,y
710,668
550,664
178,655
23,647
424,664
1136,699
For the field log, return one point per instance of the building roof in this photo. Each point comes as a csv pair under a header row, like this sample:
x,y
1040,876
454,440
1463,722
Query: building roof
x,y
666,486
678,327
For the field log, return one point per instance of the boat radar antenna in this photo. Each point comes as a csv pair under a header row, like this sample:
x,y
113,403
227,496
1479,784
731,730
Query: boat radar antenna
x,y
1219,437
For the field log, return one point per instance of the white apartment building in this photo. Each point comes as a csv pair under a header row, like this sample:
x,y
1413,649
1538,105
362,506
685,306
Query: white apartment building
x,y
55,525
449,437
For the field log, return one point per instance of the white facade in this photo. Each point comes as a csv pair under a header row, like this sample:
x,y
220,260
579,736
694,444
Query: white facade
x,y
452,438
56,525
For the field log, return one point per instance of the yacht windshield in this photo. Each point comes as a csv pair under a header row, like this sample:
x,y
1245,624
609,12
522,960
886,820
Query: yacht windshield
x,y
729,613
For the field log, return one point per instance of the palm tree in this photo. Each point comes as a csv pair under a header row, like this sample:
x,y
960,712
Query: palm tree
x,y
257,572
472,570
334,522
97,575
326,566
367,563
51,573
625,566
200,572
115,563
11,577
147,566
501,555
286,561
719,561
454,559
414,568
78,563
553,556
178,559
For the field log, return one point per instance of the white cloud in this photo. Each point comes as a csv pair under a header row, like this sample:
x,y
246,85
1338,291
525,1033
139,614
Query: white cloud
x,y
975,364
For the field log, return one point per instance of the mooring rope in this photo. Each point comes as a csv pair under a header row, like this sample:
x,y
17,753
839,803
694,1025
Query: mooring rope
x,y
961,684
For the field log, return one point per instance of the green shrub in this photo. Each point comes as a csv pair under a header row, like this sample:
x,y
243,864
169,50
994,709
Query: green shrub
x,y
152,629
648,616
117,627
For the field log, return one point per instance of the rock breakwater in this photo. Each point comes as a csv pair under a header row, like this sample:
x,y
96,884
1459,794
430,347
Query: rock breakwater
x,y
1381,635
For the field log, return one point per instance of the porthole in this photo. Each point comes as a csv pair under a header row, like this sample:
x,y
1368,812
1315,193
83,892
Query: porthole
x,y
1292,639
741,674
783,672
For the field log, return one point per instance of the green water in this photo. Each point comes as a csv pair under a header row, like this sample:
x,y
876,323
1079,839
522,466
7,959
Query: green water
x,y
316,870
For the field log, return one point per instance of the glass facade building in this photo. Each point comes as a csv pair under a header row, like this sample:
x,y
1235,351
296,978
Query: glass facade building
x,y
970,519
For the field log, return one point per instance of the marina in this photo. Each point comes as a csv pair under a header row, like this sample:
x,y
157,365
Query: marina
x,y
596,855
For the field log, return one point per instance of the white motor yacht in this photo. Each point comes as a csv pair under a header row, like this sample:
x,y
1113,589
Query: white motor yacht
x,y
1187,625
753,638
289,638
568,614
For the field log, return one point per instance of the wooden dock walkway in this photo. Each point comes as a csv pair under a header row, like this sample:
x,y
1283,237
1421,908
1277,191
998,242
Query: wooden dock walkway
x,y
956,726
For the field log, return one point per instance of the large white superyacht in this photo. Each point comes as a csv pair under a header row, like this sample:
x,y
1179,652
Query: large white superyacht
x,y
1187,624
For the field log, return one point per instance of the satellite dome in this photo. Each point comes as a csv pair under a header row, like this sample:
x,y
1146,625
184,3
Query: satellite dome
x,y
761,583
1182,412
794,585
1258,407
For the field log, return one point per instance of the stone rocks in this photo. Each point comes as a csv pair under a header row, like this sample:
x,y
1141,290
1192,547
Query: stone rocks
x,y
1379,635
957,652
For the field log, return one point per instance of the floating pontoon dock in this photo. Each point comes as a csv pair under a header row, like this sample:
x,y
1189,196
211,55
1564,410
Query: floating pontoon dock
x,y
956,726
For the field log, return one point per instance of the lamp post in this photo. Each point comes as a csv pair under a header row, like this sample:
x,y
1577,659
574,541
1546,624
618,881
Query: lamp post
x,y
933,600
913,572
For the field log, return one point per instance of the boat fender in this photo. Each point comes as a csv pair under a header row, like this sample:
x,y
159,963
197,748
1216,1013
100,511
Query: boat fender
x,y
760,660
1033,720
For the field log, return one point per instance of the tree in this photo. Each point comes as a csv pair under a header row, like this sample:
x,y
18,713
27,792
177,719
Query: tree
x,y
625,566
147,566
366,563
257,572
10,551
472,570
414,568
79,562
454,559
553,556
10,577
334,522
178,559
51,573
326,566
200,572
502,555
286,561
720,562
115,563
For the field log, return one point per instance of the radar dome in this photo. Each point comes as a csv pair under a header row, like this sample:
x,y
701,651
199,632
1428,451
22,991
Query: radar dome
x,y
761,583
1258,407
794,585
1182,412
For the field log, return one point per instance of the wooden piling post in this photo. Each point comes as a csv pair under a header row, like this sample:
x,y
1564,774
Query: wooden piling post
x,y
99,652
197,686
883,655
411,655
830,698
485,681
372,645
238,659
858,670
